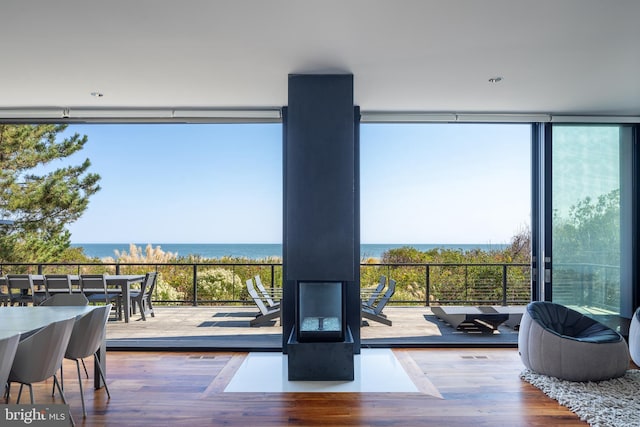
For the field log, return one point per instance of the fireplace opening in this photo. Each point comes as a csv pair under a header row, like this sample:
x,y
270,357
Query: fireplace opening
x,y
320,311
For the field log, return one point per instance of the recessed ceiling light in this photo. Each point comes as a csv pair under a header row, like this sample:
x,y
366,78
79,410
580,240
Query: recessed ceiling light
x,y
496,79
97,94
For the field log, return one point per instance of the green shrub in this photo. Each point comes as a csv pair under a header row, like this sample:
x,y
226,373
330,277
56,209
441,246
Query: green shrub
x,y
216,284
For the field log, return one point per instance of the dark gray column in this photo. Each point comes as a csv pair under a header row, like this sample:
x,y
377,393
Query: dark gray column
x,y
321,191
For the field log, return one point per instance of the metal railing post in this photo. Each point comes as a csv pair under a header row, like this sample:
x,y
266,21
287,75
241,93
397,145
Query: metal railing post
x,y
504,284
466,282
427,279
273,277
233,281
195,285
117,268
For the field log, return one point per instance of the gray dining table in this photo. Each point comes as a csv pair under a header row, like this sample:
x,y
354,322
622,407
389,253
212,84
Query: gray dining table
x,y
123,281
22,320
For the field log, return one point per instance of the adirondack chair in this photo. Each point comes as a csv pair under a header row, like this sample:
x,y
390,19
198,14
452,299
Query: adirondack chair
x,y
266,314
373,296
375,313
267,296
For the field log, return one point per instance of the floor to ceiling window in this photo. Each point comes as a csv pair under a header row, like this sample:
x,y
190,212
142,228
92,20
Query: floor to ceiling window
x,y
591,218
455,196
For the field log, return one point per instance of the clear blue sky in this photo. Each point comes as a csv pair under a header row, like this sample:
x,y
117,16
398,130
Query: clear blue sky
x,y
444,183
425,183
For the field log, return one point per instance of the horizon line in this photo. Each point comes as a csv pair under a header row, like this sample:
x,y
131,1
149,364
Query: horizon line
x,y
268,243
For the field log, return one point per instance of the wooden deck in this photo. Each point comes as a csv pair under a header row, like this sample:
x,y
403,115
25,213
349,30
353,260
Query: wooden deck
x,y
228,328
479,387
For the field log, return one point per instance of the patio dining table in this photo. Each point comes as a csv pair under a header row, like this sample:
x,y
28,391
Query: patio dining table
x,y
123,281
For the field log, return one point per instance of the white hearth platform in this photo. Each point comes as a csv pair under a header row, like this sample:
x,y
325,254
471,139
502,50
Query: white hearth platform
x,y
376,371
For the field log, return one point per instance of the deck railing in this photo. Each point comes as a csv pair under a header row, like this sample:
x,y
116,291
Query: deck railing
x,y
224,283
461,284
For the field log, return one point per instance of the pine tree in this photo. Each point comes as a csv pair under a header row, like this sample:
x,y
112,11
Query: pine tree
x,y
40,203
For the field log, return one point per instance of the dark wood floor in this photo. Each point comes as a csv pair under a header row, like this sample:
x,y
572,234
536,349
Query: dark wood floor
x,y
479,387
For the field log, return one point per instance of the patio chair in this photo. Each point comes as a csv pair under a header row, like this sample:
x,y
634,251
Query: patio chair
x,y
8,347
39,356
85,341
142,298
375,313
60,300
4,297
94,287
66,299
57,284
267,296
22,291
265,314
373,296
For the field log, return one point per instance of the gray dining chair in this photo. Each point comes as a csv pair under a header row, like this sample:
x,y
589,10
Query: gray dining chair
x,y
8,347
57,284
86,339
76,300
22,291
66,300
142,298
39,356
94,287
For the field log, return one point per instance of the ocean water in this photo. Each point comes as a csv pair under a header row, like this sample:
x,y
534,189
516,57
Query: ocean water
x,y
261,250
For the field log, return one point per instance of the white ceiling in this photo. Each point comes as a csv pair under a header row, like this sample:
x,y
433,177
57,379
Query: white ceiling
x,y
556,56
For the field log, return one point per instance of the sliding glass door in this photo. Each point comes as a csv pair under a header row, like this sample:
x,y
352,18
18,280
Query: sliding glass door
x,y
591,219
